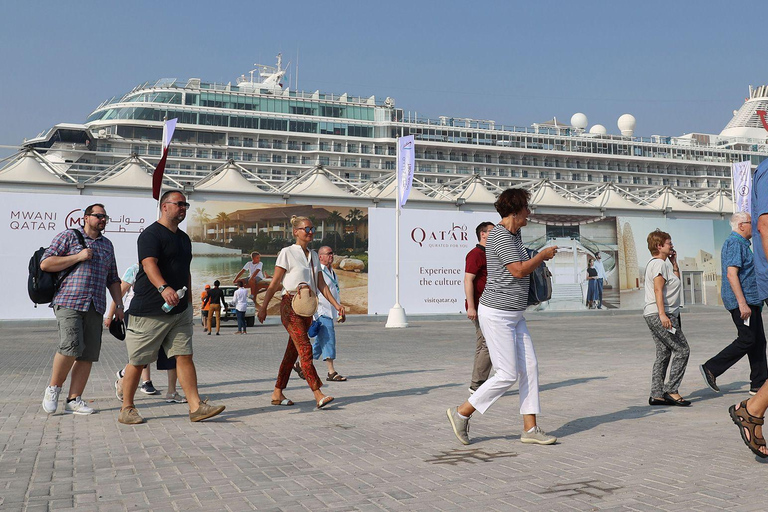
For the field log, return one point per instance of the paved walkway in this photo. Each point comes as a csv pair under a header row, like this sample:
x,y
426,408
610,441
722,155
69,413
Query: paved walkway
x,y
385,443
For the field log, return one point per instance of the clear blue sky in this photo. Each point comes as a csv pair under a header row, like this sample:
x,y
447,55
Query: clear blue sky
x,y
676,66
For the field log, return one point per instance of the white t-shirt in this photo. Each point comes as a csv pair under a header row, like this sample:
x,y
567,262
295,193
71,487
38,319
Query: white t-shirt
x,y
663,268
297,268
254,269
324,307
241,299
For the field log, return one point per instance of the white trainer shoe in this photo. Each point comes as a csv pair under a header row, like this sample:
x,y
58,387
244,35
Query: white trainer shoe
x,y
78,406
538,436
51,399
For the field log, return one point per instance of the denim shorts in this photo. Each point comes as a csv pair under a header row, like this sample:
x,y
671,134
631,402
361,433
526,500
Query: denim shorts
x,y
79,333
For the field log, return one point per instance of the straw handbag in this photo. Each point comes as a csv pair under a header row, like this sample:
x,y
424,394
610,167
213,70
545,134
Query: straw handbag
x,y
305,301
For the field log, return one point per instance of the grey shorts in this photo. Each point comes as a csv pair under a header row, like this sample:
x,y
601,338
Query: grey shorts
x,y
146,334
79,333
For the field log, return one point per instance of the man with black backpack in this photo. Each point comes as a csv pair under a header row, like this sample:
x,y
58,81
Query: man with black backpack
x,y
79,304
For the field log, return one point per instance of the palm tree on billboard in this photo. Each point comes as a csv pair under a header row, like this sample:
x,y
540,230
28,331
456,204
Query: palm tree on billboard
x,y
222,218
355,217
203,218
336,219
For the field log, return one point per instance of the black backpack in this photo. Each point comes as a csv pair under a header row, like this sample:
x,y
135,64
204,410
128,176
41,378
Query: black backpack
x,y
41,285
540,289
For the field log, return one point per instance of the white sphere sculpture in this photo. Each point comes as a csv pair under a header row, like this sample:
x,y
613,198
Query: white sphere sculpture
x,y
598,129
627,125
579,121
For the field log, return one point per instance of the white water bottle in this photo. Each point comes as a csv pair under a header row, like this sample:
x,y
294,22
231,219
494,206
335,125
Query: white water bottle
x,y
167,307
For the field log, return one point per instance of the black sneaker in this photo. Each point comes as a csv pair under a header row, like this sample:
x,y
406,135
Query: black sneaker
x,y
709,378
147,388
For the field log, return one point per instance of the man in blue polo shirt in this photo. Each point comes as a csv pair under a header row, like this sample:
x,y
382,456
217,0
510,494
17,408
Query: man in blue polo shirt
x,y
748,415
740,298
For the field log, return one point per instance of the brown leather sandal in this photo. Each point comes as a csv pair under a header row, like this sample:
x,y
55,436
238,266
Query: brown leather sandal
x,y
747,425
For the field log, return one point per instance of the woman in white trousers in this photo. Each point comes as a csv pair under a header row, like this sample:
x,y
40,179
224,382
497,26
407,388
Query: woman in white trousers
x,y
501,310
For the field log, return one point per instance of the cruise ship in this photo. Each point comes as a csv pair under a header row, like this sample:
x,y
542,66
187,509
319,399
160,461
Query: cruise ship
x,y
275,134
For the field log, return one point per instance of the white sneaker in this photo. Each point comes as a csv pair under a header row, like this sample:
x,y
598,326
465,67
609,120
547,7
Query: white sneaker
x,y
78,406
51,399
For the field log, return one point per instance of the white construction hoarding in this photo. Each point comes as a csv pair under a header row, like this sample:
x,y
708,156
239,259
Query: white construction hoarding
x,y
433,245
32,220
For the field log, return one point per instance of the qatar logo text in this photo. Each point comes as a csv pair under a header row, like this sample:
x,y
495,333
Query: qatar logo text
x,y
457,233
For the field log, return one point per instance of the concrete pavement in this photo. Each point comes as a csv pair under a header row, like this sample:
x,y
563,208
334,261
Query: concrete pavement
x,y
385,443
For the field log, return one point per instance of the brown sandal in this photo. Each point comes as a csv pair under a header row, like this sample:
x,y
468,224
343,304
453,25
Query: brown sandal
x,y
297,369
747,424
335,377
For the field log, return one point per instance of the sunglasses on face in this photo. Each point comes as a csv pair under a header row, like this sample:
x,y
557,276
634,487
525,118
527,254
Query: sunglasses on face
x,y
180,204
308,230
100,216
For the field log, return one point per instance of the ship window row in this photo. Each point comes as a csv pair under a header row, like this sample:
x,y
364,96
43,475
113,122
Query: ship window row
x,y
535,141
156,97
252,123
242,102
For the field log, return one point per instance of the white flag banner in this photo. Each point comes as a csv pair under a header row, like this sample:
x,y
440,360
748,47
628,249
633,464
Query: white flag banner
x,y
406,162
742,186
168,128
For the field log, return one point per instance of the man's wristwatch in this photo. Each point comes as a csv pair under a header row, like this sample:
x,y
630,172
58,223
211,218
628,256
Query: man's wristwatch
x,y
162,287
119,306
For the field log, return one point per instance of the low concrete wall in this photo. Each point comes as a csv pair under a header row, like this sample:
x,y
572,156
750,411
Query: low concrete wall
x,y
203,249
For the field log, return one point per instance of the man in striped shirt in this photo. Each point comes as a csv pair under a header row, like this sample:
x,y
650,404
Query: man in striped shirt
x,y
79,305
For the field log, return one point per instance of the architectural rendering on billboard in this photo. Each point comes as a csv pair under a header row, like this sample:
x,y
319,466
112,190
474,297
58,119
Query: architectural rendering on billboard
x,y
224,233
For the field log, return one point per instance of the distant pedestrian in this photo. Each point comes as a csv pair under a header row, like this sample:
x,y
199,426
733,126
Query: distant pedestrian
x,y
475,276
241,305
204,301
324,344
739,294
601,277
79,305
215,303
662,314
298,267
165,255
501,310
592,286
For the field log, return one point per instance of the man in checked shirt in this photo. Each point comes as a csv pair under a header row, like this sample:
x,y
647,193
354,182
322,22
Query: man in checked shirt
x,y
79,305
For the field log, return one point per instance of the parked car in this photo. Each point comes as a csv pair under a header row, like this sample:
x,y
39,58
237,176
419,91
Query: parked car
x,y
230,314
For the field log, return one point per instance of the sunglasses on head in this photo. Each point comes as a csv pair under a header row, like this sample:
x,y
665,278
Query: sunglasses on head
x,y
180,204
100,216
308,230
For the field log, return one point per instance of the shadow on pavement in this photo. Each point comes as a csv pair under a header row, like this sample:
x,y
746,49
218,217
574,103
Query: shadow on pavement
x,y
568,382
630,413
734,388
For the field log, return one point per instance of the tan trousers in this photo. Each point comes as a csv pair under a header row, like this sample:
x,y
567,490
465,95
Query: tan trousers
x,y
214,309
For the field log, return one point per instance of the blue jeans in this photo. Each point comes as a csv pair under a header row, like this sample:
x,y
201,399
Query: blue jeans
x,y
240,321
324,345
599,292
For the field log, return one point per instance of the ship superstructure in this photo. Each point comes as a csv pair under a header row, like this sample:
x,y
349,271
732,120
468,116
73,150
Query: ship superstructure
x,y
277,133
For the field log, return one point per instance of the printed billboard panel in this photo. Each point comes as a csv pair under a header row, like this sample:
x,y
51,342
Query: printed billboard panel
x,y
31,221
434,245
224,233
698,243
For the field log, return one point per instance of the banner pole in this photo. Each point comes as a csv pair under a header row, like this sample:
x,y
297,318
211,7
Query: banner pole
x,y
396,317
